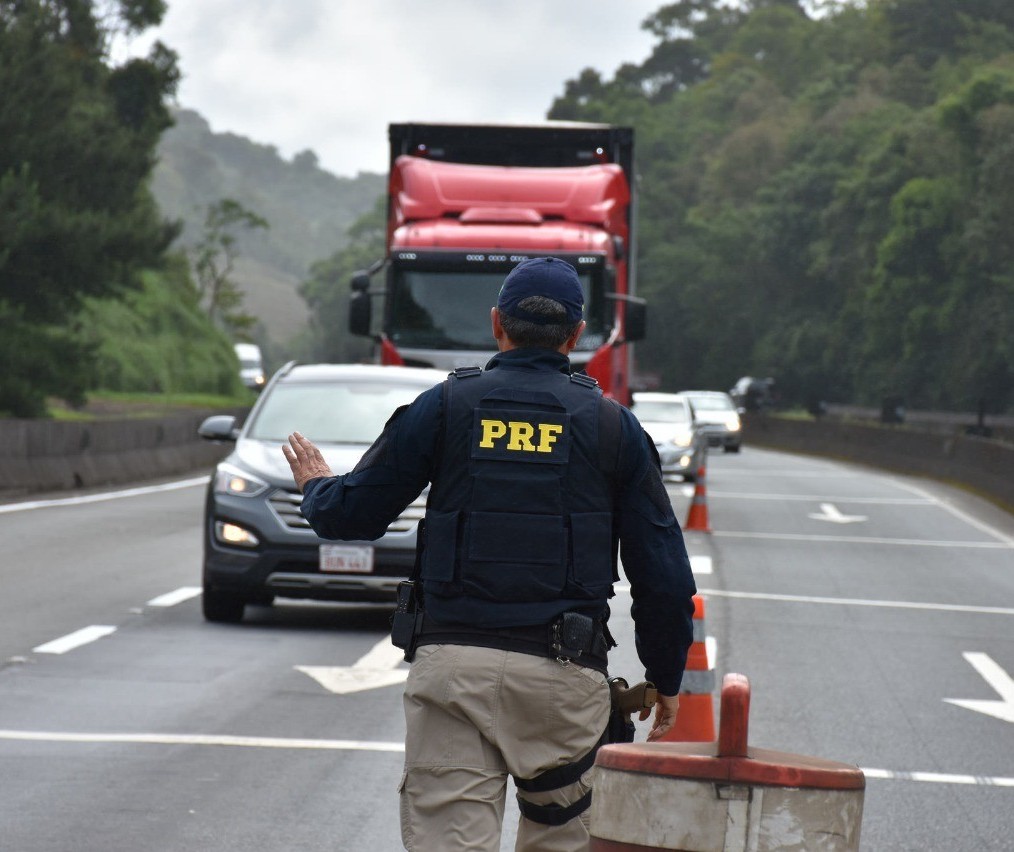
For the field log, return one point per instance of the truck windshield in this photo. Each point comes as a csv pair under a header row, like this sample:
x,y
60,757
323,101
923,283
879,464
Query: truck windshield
x,y
450,309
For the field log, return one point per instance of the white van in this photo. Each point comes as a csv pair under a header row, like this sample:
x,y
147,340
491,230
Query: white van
x,y
251,365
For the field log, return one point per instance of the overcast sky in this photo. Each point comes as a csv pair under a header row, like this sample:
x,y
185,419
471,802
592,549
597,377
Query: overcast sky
x,y
330,75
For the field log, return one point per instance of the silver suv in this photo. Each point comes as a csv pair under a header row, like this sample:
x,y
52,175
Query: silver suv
x,y
257,545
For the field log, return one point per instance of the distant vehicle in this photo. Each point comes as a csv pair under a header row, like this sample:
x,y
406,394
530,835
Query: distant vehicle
x,y
257,545
718,419
752,394
251,365
669,420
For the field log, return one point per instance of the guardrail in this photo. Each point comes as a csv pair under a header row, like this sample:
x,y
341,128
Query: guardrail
x,y
49,455
979,464
46,455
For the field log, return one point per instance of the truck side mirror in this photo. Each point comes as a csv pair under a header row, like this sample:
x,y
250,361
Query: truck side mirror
x,y
635,324
360,281
360,311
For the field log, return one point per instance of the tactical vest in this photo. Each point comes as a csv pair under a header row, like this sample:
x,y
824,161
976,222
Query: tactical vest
x,y
520,510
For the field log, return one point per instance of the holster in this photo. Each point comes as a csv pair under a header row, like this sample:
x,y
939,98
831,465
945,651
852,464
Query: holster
x,y
626,700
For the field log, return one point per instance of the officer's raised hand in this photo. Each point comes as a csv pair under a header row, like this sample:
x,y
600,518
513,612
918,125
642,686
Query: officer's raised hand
x,y
305,460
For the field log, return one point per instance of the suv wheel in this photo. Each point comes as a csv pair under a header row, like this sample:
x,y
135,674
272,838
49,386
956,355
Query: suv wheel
x,y
222,606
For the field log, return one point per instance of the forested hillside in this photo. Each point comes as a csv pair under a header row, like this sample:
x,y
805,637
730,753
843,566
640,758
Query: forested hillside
x,y
829,201
308,210
87,282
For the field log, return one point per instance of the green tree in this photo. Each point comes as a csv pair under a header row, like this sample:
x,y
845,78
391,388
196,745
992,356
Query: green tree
x,y
327,292
214,260
77,140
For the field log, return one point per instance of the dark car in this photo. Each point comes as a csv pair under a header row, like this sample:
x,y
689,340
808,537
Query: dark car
x,y
669,421
257,545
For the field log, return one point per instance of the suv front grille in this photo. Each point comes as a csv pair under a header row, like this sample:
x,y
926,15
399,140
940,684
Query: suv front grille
x,y
285,505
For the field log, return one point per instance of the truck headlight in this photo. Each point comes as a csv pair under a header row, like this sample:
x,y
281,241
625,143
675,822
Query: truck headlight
x,y
232,480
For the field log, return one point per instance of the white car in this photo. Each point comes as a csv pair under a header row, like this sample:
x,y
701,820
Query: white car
x,y
251,365
719,421
669,420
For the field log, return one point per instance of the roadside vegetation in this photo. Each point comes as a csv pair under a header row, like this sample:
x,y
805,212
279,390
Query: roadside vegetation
x,y
825,197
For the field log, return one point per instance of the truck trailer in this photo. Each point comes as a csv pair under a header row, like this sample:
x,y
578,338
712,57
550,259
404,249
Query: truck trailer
x,y
467,203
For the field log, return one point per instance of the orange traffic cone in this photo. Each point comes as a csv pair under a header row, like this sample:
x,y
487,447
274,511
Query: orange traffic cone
x,y
697,517
695,721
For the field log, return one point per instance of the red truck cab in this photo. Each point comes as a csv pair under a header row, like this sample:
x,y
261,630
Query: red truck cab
x,y
467,203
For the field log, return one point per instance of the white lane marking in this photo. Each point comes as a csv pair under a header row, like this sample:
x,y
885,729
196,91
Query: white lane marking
x,y
849,539
982,526
830,513
201,739
175,597
997,678
395,748
75,639
700,564
105,495
375,669
878,501
711,649
938,778
932,607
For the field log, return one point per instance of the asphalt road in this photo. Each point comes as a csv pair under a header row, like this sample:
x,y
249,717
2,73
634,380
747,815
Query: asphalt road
x,y
154,730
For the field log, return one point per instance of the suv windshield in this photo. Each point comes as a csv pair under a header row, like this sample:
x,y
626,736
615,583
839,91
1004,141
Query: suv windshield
x,y
711,403
353,413
660,412
449,309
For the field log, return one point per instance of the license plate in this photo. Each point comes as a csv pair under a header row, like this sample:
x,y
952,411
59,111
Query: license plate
x,y
346,559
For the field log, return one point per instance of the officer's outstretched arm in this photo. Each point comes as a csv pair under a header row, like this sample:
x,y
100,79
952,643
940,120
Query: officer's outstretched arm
x,y
666,708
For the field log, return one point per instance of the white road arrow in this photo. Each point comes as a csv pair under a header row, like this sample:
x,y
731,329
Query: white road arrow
x,y
997,678
831,514
373,670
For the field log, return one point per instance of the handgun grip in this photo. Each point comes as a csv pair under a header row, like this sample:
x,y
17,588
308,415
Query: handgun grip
x,y
633,699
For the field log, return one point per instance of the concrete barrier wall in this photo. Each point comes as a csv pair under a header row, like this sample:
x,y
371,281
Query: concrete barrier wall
x,y
985,466
44,455
49,455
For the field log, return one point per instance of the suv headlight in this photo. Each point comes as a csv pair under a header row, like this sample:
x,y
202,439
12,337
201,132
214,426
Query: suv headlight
x,y
732,423
232,480
682,439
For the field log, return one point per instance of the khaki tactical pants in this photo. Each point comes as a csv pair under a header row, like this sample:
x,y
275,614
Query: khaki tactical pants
x,y
473,716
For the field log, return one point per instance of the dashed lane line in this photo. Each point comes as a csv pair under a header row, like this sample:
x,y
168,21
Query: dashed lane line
x,y
807,599
813,498
75,639
810,599
104,496
396,748
850,539
201,740
177,596
939,778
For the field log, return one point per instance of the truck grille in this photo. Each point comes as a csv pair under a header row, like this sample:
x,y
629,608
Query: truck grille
x,y
285,505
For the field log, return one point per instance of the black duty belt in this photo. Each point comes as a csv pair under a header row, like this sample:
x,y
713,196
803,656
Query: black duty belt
x,y
532,639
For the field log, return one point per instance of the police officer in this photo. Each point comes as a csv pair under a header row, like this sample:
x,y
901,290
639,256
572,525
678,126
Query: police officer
x,y
535,477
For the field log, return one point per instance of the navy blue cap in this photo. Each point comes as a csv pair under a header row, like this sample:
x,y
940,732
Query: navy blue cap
x,y
542,276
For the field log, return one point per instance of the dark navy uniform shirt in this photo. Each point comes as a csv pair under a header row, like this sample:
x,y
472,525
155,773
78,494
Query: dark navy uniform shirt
x,y
360,505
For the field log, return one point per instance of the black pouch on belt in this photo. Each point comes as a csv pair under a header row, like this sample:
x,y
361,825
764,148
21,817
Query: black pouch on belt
x,y
406,623
571,635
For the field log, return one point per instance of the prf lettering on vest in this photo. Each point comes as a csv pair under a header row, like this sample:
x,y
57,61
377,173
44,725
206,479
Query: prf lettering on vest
x,y
519,434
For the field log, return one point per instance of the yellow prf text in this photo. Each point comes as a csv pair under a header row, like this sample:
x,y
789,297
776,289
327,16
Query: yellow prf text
x,y
519,435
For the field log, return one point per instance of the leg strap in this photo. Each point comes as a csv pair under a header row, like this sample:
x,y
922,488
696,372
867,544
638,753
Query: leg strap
x,y
561,776
553,779
553,814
